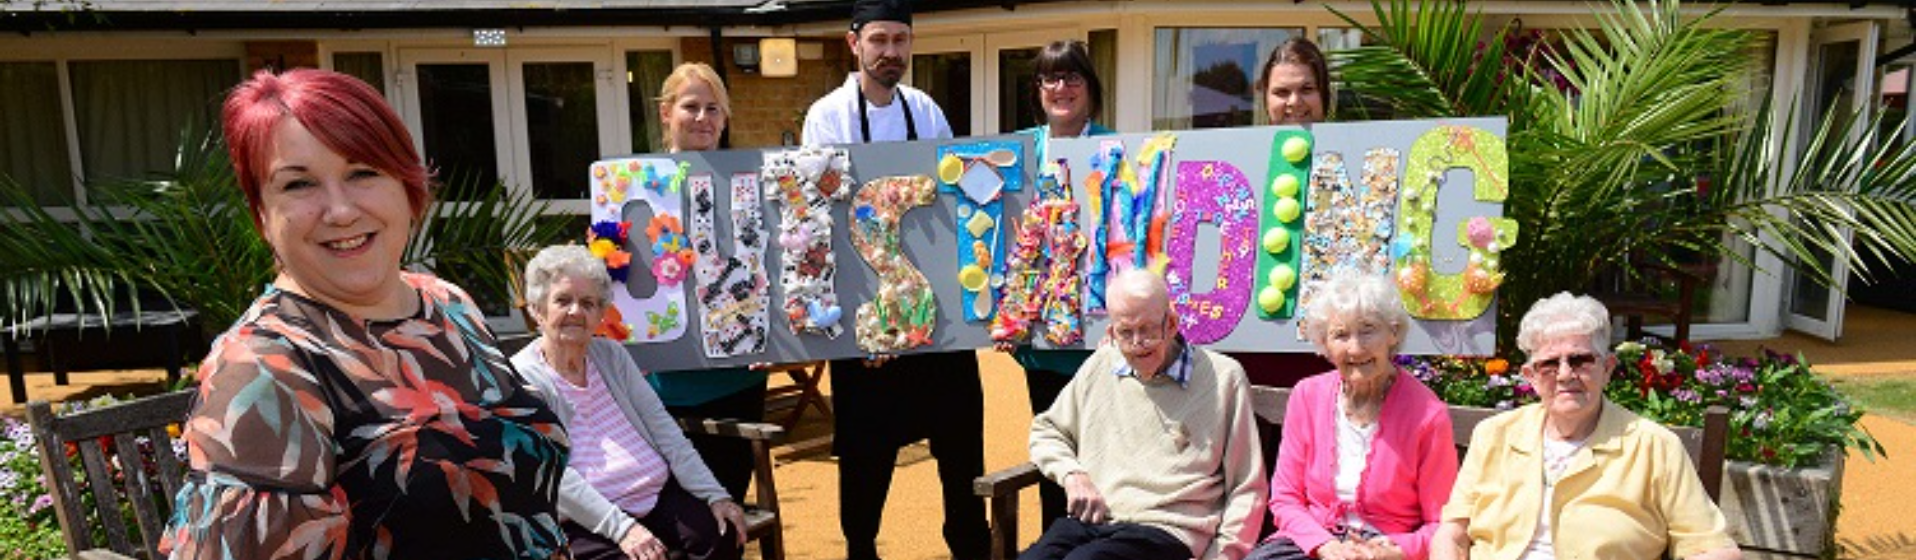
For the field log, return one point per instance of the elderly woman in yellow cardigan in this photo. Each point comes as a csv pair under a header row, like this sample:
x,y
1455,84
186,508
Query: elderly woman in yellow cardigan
x,y
1575,476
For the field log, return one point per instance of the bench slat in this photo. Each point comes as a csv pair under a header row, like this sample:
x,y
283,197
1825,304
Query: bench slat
x,y
138,491
169,466
106,501
60,482
160,410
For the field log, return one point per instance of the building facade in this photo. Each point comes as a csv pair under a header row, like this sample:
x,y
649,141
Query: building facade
x,y
531,96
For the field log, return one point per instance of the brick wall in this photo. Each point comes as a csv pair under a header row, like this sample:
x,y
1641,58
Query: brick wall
x,y
281,55
763,109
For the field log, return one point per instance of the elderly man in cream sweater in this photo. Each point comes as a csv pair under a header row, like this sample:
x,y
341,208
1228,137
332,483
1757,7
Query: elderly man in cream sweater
x,y
1154,441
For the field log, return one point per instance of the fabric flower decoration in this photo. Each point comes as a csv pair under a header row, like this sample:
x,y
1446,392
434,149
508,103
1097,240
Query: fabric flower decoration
x,y
613,325
602,247
662,224
608,230
617,260
668,270
687,257
668,244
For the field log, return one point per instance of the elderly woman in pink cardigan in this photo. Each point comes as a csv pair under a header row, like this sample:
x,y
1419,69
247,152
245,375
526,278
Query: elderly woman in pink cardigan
x,y
1367,458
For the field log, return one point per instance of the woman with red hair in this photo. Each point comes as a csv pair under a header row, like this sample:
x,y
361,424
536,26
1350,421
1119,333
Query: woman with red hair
x,y
356,410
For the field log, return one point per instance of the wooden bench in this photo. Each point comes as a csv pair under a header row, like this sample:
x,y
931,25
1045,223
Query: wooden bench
x,y
1705,445
151,416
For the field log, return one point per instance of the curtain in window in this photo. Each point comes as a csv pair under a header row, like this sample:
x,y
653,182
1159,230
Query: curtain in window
x,y
366,66
132,115
33,142
1205,76
645,72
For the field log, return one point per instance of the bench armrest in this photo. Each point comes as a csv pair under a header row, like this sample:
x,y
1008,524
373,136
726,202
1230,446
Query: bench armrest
x,y
1006,482
771,434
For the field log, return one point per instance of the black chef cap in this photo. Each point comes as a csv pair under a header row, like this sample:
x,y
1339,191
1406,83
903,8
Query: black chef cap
x,y
867,11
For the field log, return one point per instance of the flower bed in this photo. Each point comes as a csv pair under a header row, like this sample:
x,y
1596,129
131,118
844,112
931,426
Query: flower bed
x,y
1781,413
29,527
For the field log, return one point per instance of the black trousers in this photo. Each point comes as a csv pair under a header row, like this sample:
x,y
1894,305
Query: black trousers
x,y
680,520
1044,387
730,458
936,397
1071,539
1281,548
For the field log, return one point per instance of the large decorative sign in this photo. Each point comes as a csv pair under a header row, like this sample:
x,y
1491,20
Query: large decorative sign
x,y
1243,223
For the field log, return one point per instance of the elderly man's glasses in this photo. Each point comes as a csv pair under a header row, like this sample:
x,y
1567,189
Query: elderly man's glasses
x,y
1059,80
1139,337
1578,362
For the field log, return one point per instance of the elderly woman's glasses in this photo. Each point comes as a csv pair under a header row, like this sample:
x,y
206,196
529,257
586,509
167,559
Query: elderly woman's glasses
x,y
1578,362
1058,80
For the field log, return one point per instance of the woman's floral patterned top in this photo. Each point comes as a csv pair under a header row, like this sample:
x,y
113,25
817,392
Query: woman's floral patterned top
x,y
321,435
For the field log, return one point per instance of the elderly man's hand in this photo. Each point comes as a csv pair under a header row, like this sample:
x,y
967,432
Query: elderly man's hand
x,y
1082,500
1006,347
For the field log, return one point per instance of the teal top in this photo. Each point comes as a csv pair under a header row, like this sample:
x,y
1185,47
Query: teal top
x,y
696,387
1064,361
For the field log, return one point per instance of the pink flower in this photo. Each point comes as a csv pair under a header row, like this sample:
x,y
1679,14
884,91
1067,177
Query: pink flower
x,y
668,270
43,502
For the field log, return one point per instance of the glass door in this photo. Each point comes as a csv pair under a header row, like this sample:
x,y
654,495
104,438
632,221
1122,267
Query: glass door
x,y
565,115
531,119
1012,74
1843,80
456,105
947,69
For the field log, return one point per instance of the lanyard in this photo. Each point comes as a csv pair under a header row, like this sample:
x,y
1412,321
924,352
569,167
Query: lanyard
x,y
865,123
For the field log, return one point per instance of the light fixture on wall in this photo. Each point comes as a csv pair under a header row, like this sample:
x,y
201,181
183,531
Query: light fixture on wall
x,y
745,55
488,37
778,57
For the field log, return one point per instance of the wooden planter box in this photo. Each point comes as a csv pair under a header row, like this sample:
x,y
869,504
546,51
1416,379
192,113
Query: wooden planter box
x,y
1783,513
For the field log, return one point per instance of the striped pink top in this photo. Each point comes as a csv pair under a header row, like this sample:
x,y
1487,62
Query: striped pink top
x,y
608,450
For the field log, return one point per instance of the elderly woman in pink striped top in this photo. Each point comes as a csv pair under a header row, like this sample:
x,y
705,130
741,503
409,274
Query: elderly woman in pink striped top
x,y
634,487
1367,458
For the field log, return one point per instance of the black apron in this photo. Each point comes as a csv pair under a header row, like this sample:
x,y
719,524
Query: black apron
x,y
865,123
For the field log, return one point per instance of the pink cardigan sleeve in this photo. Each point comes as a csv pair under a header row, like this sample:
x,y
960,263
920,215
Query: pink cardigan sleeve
x,y
1436,472
1290,477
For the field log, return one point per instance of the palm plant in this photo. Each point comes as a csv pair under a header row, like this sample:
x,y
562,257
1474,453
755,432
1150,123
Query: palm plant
x,y
1605,163
190,238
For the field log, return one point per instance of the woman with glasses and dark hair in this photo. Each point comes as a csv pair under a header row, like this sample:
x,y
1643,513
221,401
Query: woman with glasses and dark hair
x,y
1070,96
1574,475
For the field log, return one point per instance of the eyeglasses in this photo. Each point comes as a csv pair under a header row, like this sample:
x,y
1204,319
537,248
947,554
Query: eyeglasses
x,y
1141,336
1578,362
1061,79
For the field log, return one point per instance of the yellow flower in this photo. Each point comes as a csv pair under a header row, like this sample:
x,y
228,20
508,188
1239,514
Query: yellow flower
x,y
602,247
